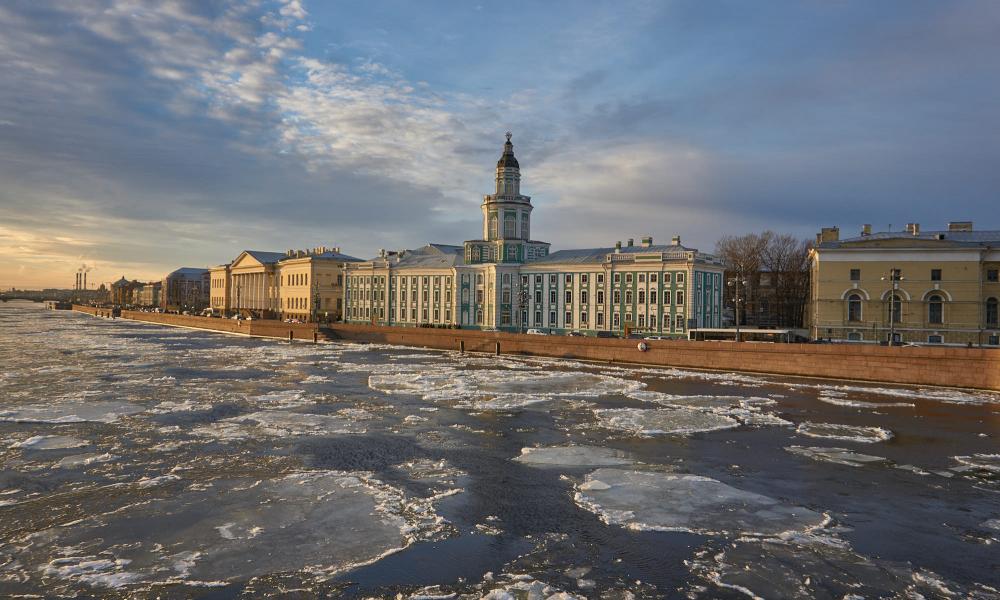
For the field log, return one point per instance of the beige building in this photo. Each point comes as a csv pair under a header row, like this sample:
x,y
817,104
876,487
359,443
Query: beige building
x,y
297,284
925,287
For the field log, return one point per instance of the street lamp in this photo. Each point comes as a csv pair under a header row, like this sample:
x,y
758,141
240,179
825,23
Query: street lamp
x,y
315,307
894,277
522,303
736,283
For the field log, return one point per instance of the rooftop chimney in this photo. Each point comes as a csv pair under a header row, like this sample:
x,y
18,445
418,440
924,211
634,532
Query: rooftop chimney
x,y
647,241
631,242
960,226
913,228
828,234
618,247
675,241
866,229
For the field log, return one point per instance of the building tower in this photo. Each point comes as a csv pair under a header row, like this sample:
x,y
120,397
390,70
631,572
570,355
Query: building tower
x,y
506,218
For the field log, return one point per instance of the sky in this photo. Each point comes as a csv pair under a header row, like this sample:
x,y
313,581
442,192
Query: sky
x,y
138,137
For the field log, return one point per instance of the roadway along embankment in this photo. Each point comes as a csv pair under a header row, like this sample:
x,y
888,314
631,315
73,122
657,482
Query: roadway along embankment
x,y
977,368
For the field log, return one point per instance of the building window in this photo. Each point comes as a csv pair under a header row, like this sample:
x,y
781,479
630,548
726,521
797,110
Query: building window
x,y
652,296
854,336
679,296
447,315
642,320
628,278
894,308
855,274
552,318
583,296
538,280
666,322
552,280
600,296
479,296
413,314
552,296
666,296
616,296
600,278
994,340
666,278
506,278
628,296
479,279
991,313
642,296
993,275
935,274
505,297
616,320
642,278
538,296
538,318
652,278
437,314
935,339
680,322
505,317
479,317
569,297
935,309
569,279
600,319
618,277
583,318
854,307
569,319
628,318
584,279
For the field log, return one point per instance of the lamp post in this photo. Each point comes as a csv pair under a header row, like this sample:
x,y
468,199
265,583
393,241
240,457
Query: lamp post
x,y
736,282
315,307
894,278
522,302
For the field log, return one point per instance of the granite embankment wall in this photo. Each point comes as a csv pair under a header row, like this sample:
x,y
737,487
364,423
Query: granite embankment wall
x,y
258,328
951,367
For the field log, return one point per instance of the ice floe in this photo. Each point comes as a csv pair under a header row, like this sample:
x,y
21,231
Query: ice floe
x,y
280,423
985,463
747,409
840,399
493,389
809,567
84,460
647,422
100,412
573,456
323,522
847,433
840,456
654,501
50,442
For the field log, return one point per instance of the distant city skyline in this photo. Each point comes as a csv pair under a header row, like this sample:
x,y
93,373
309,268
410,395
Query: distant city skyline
x,y
139,139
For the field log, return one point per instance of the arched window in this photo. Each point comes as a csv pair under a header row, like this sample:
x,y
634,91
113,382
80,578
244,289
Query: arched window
x,y
894,309
854,307
992,319
935,309
494,227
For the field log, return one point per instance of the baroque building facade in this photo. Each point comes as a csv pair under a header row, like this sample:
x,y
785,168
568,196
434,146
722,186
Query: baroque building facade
x,y
924,287
508,281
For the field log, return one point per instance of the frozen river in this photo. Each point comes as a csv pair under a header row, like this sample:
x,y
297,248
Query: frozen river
x,y
144,461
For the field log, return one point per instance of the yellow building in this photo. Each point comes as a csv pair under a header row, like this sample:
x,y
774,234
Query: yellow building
x,y
298,284
925,287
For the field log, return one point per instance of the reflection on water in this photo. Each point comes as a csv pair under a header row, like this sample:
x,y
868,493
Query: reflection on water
x,y
140,460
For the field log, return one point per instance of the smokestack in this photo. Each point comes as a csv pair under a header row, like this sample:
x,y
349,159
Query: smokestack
x,y
84,280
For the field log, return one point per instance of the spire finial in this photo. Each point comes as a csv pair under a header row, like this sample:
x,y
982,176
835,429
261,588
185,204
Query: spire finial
x,y
508,136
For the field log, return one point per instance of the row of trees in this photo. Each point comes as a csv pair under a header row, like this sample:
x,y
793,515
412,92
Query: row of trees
x,y
776,270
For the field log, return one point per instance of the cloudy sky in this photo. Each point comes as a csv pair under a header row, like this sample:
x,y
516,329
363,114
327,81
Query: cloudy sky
x,y
136,136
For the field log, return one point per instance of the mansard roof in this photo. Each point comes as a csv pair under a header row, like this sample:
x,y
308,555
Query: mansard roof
x,y
600,255
924,239
431,256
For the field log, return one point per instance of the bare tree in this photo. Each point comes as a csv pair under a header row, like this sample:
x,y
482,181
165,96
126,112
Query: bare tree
x,y
775,267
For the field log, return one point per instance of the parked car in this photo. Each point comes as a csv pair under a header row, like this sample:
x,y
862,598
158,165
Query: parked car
x,y
656,337
574,334
606,334
536,332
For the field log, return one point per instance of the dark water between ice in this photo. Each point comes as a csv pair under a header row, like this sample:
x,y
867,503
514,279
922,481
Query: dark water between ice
x,y
145,461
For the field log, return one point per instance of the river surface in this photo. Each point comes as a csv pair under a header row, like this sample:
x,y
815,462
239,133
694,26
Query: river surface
x,y
138,461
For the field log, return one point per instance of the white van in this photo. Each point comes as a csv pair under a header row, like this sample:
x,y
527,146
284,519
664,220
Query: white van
x,y
536,332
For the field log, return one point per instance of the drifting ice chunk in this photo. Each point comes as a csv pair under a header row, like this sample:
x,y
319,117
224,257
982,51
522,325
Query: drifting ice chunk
x,y
989,463
67,412
672,502
662,421
50,442
841,456
573,456
83,460
278,423
848,433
